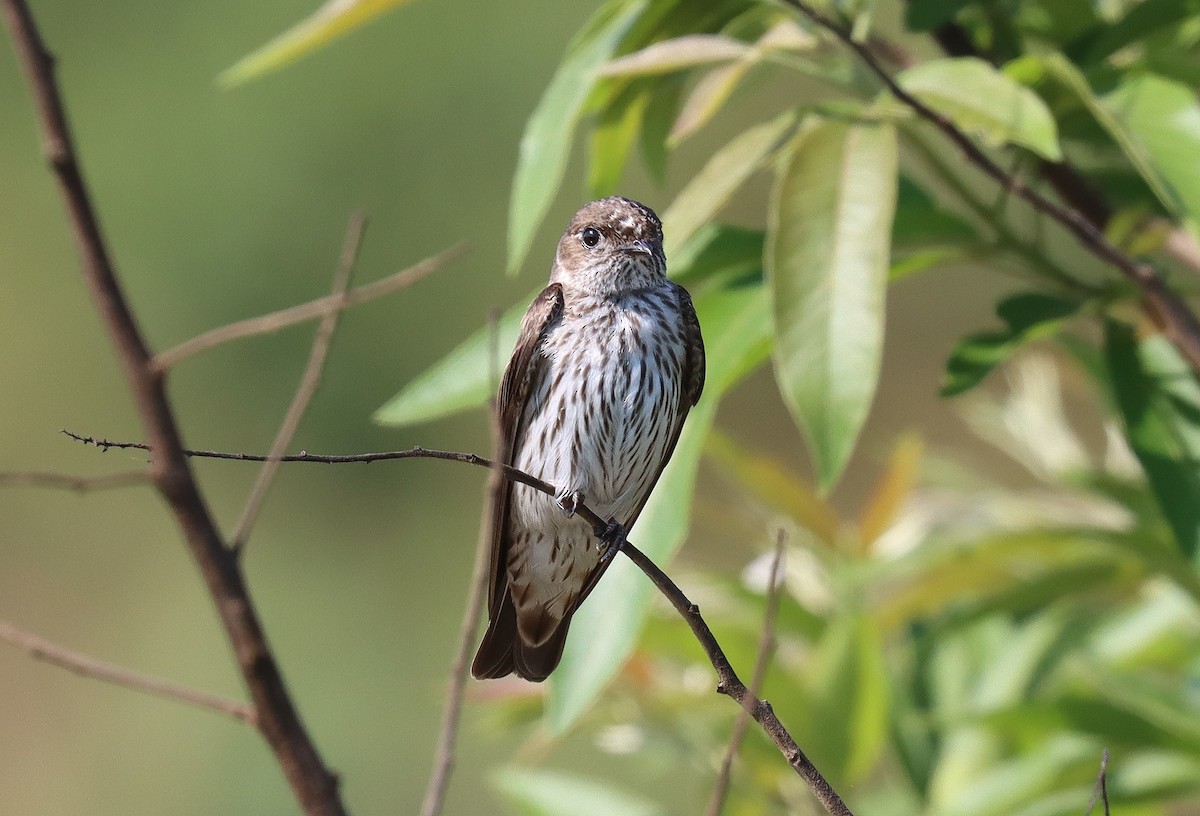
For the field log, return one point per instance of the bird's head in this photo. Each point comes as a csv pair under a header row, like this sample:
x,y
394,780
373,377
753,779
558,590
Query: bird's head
x,y
611,246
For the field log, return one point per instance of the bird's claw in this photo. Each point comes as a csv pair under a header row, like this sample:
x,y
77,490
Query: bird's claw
x,y
568,501
612,540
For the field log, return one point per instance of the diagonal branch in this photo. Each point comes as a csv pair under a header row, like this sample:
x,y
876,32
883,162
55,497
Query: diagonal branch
x,y
1172,315
310,381
728,682
766,646
313,309
313,784
41,649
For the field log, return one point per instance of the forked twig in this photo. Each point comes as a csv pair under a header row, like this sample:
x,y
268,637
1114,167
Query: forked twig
x,y
766,647
1100,792
1177,322
310,381
41,649
728,682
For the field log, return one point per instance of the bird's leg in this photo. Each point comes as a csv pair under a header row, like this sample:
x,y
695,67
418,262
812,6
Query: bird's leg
x,y
568,500
612,540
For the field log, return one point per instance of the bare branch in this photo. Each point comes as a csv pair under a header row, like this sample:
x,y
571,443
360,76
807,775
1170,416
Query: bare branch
x,y
728,682
444,754
79,484
310,381
313,784
313,309
1101,790
41,649
766,647
1174,318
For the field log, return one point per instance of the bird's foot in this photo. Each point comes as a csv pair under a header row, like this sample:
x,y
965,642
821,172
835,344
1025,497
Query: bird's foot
x,y
612,540
568,501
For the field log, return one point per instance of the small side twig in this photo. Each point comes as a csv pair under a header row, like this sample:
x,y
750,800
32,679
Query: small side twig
x,y
41,649
728,682
313,309
1101,790
79,484
766,647
1178,324
310,381
444,754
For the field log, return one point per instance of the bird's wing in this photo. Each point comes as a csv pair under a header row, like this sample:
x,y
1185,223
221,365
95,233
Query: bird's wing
x,y
515,387
693,386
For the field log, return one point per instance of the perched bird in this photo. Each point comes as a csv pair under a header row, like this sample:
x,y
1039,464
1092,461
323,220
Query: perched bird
x,y
608,363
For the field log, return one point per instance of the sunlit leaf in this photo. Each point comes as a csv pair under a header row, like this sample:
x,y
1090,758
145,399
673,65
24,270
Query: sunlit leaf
x,y
981,100
1029,316
827,262
331,20
546,143
726,171
606,628
893,487
542,792
708,97
1159,400
677,54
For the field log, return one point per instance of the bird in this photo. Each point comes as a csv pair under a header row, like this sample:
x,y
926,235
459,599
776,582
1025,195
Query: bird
x,y
607,364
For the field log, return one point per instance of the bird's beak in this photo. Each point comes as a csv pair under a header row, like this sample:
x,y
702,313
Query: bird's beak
x,y
639,247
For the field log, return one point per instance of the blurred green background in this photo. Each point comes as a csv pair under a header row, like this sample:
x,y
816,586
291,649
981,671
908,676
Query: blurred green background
x,y
222,204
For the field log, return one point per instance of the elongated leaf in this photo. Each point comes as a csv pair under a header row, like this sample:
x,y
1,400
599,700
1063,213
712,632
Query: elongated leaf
x,y
1163,118
677,54
617,128
708,97
541,792
460,381
606,628
331,20
726,171
981,100
718,250
1029,315
1159,401
827,263
546,144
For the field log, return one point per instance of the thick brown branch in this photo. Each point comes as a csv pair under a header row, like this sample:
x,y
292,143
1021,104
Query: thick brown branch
x,y
310,381
41,649
1173,317
728,682
314,786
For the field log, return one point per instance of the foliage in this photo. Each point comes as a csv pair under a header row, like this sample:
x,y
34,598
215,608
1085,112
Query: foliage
x,y
952,649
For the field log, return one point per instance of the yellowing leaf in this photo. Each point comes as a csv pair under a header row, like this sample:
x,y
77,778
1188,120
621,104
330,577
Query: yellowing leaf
x,y
333,19
893,487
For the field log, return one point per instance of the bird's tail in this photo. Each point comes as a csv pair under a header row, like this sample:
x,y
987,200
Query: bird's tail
x,y
503,652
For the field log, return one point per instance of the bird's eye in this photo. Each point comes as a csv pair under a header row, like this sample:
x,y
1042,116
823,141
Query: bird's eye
x,y
590,237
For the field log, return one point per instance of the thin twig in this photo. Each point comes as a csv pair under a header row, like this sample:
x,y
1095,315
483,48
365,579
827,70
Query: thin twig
x,y
41,649
728,682
1101,790
1177,322
445,753
313,784
313,309
79,484
310,381
766,647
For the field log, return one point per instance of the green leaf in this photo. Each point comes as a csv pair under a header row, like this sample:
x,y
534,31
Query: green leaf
x,y
926,15
1142,19
707,97
827,263
540,792
981,100
1028,315
718,250
1163,120
459,381
331,20
606,628
616,130
546,144
677,54
1159,401
656,127
726,171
